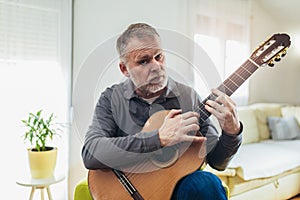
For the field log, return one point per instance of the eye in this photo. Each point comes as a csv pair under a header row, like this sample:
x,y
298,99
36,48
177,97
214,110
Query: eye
x,y
143,62
159,57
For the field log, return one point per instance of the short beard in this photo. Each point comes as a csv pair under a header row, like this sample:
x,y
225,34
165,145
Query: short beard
x,y
156,88
149,89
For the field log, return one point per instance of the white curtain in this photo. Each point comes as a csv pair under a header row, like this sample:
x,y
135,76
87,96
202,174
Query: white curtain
x,y
222,29
34,74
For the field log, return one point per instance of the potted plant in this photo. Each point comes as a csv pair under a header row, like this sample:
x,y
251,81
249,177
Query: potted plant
x,y
42,158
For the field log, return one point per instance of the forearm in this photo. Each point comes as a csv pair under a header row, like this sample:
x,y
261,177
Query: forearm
x,y
114,152
225,149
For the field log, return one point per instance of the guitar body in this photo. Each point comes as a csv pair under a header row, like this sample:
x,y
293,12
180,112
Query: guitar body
x,y
155,184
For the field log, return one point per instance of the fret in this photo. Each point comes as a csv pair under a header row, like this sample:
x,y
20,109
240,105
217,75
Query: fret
x,y
250,67
228,87
234,83
225,88
243,73
237,78
246,70
204,114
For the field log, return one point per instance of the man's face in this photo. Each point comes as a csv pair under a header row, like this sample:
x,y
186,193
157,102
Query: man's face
x,y
145,65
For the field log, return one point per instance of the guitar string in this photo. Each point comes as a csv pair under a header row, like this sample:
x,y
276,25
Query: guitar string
x,y
237,78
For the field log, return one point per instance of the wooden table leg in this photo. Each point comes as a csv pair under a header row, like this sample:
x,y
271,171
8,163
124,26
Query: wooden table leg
x,y
31,193
49,193
42,193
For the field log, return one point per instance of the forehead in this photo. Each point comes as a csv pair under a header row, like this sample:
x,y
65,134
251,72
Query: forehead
x,y
142,46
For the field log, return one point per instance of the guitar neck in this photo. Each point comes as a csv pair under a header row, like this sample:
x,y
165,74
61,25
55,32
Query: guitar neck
x,y
230,85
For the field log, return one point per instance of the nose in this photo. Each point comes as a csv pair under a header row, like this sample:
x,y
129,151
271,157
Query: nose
x,y
155,65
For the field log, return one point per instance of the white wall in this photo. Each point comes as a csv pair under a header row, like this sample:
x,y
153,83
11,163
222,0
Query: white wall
x,y
280,83
97,22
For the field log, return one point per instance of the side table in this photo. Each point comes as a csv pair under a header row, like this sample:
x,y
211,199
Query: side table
x,y
40,184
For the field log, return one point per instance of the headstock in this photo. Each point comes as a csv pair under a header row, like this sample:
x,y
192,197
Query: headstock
x,y
271,50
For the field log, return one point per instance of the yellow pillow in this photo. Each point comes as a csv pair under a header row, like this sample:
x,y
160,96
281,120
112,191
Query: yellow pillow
x,y
288,111
262,111
250,130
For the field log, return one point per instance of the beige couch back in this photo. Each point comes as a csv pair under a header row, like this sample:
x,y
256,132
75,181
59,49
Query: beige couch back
x,y
254,119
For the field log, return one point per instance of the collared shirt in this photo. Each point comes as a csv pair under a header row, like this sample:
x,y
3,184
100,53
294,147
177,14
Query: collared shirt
x,y
115,137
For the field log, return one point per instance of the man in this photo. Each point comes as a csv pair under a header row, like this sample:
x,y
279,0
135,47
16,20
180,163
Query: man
x,y
115,138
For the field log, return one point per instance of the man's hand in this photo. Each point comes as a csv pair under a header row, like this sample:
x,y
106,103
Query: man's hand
x,y
224,109
176,127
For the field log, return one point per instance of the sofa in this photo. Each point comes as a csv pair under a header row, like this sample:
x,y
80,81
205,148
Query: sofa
x,y
267,165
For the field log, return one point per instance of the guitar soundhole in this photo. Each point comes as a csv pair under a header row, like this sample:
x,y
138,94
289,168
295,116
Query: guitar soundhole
x,y
166,157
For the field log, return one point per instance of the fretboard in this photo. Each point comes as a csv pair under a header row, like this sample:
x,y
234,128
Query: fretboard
x,y
230,85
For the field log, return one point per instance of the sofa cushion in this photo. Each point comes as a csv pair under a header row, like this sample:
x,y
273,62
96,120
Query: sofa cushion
x,y
283,128
262,111
250,130
291,111
237,185
266,158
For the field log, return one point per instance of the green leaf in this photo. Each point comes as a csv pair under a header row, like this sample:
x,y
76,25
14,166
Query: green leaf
x,y
40,129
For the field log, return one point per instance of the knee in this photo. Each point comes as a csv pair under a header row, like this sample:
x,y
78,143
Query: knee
x,y
200,185
203,180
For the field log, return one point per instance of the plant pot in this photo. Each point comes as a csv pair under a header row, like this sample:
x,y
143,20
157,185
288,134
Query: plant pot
x,y
42,163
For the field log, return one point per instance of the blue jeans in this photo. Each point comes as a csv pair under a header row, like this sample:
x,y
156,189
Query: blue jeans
x,y
199,185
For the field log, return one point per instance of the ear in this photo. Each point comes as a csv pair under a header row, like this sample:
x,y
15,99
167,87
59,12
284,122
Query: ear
x,y
123,69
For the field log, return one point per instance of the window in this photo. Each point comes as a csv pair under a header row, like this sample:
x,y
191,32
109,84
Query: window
x,y
227,54
34,74
223,33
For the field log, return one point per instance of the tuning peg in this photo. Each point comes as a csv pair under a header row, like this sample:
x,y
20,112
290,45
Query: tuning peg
x,y
277,58
271,63
283,53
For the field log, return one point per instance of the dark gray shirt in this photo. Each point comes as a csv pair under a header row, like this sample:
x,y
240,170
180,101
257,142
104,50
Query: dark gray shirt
x,y
114,138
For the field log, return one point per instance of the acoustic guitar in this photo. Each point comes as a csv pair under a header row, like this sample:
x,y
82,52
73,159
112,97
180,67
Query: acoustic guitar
x,y
177,161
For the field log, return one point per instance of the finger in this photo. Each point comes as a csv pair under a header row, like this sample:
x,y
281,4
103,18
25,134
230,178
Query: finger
x,y
173,113
217,92
191,120
223,98
226,101
190,114
214,105
231,101
213,111
226,105
220,96
189,128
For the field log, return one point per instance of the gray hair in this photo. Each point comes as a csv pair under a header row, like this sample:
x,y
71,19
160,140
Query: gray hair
x,y
138,30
